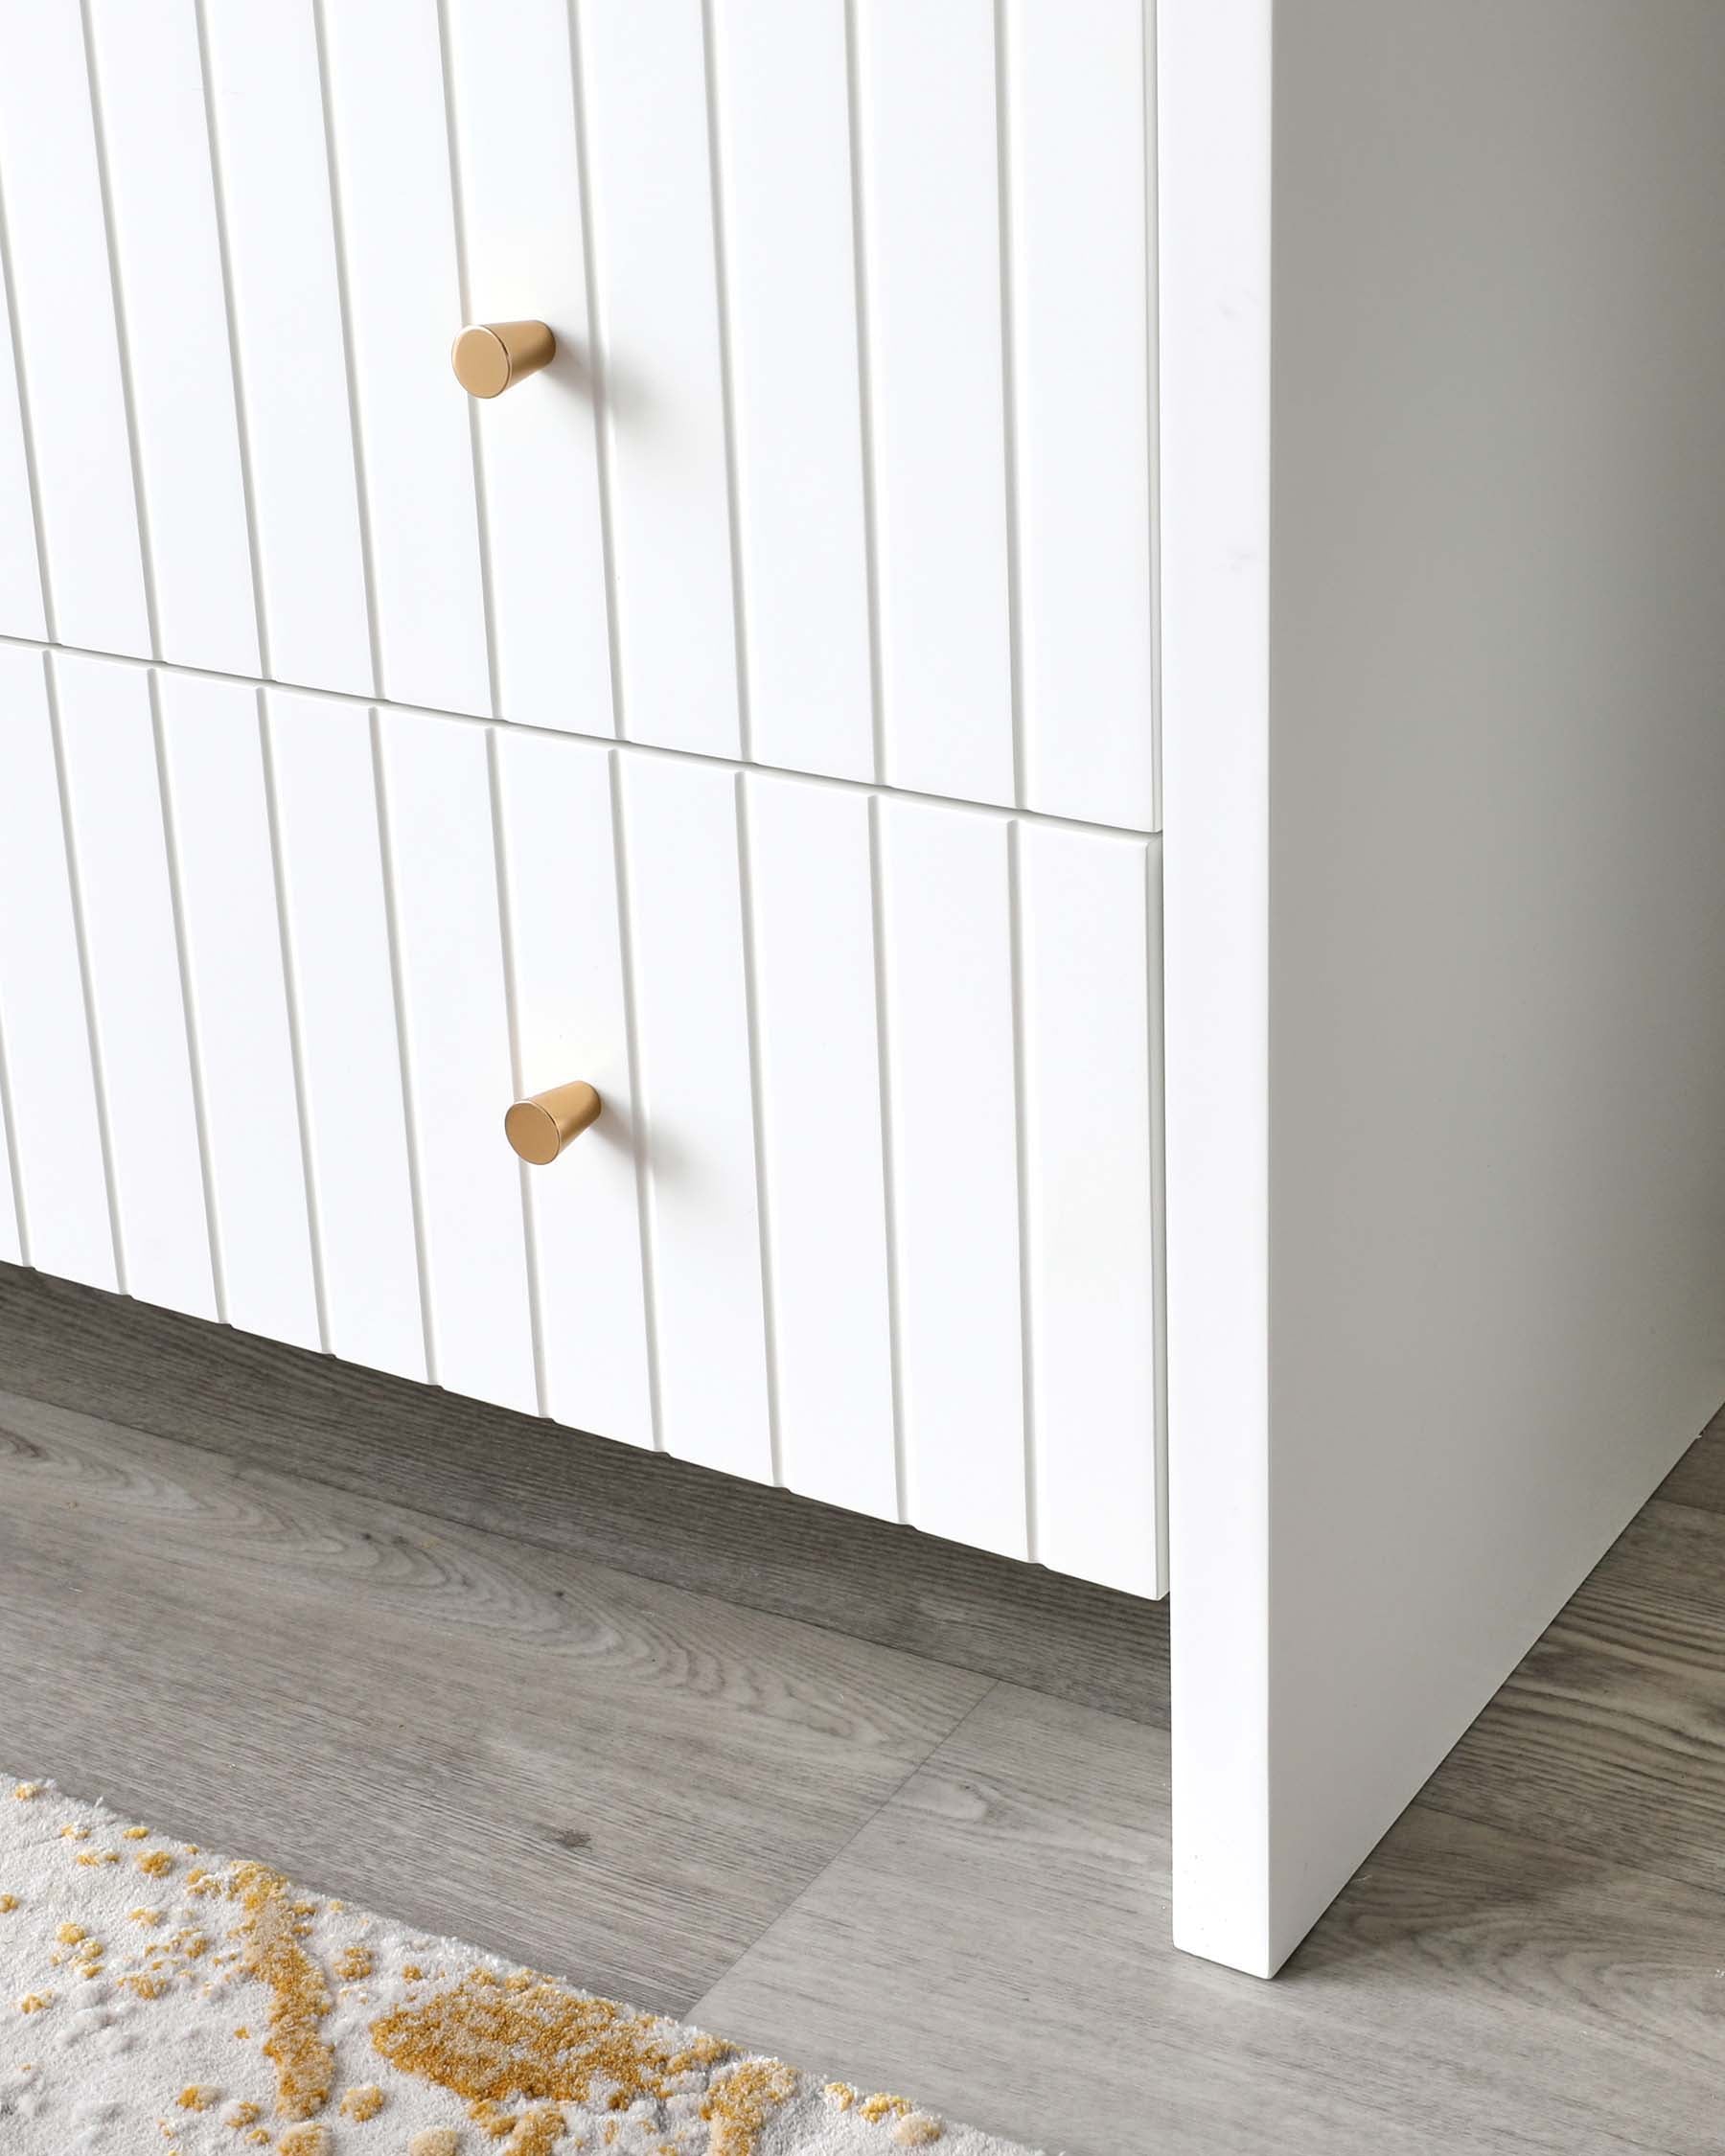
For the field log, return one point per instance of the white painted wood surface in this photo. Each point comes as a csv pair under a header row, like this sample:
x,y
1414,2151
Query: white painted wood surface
x,y
697,1096
811,905
1444,478
59,1148
344,999
441,867
644,85
1088,930
63,293
950,998
391,140
1077,110
118,852
167,257
865,1117
272,166
568,966
937,397
21,608
522,216
218,828
844,465
782,104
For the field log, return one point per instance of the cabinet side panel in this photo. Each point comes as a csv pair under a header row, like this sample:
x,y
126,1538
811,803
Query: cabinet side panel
x,y
1213,139
1497,1020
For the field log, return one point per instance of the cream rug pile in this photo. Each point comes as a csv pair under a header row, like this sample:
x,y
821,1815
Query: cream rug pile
x,y
159,2001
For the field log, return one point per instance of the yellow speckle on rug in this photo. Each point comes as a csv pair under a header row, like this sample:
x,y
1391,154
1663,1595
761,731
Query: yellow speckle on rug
x,y
243,2114
740,2102
484,2042
69,1934
875,2108
145,1915
840,2095
26,1790
353,1963
195,2095
95,1858
134,1834
305,2141
435,2141
34,2002
8,1903
299,1997
155,1864
362,2102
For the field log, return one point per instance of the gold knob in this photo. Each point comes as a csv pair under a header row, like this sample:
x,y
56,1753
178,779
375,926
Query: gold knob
x,y
490,358
539,1128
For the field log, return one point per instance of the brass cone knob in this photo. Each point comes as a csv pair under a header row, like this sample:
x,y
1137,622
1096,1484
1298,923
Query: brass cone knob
x,y
490,358
540,1127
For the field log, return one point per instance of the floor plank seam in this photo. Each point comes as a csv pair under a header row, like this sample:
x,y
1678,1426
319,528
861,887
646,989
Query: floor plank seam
x,y
813,1881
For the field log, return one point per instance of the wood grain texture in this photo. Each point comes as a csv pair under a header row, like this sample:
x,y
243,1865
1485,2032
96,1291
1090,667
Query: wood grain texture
x,y
224,1616
371,1433
997,1939
599,1772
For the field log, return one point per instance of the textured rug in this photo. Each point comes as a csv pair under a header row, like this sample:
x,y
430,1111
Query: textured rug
x,y
156,1998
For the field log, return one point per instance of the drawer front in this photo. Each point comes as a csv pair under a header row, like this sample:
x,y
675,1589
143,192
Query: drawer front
x,y
869,1206
843,464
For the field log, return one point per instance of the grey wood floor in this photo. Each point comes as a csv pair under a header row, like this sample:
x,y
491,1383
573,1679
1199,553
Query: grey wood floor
x,y
883,1805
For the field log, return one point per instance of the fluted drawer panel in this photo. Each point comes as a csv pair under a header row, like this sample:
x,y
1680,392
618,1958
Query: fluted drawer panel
x,y
843,464
869,1209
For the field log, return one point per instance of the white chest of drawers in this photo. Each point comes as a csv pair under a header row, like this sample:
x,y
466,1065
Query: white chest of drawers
x,y
758,714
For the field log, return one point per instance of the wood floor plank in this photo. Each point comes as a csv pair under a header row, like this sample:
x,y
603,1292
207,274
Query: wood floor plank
x,y
1698,1478
1610,1737
513,1475
591,1772
995,1939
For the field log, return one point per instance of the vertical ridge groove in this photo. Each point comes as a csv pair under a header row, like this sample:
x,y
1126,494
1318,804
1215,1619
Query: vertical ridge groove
x,y
320,1293
752,1013
122,340
889,1162
75,891
866,389
338,236
403,1057
1015,905
641,1119
235,366
177,906
1153,391
9,289
476,434
597,373
727,396
1159,1198
15,1165
512,1014
1009,397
